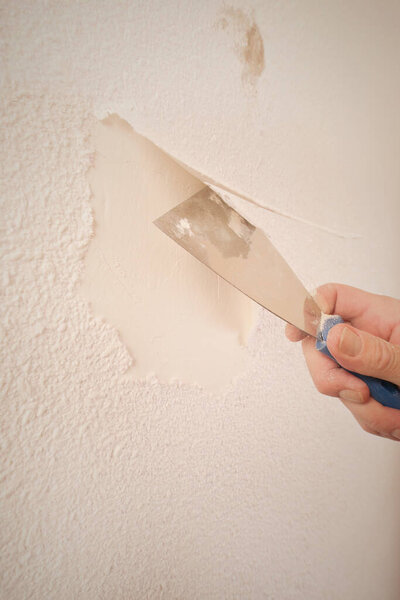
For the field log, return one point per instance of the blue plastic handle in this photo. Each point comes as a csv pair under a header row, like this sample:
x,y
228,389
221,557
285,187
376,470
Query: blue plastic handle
x,y
384,392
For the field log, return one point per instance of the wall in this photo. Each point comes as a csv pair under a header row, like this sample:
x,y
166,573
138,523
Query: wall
x,y
118,487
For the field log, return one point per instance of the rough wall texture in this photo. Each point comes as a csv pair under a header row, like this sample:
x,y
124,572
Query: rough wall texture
x,y
113,488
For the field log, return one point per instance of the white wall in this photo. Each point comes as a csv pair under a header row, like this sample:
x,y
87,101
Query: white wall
x,y
118,488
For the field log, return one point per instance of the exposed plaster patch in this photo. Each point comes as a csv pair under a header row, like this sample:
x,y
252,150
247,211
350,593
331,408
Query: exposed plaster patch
x,y
248,42
177,318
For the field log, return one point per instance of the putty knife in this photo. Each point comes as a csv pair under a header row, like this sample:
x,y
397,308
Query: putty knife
x,y
240,253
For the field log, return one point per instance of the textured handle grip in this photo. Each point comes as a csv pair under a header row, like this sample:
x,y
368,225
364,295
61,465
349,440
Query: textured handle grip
x,y
384,392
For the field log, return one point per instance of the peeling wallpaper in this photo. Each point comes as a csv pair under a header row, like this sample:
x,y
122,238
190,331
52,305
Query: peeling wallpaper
x,y
119,488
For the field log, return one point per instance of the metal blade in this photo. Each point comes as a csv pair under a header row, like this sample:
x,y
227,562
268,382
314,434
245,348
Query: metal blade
x,y
242,254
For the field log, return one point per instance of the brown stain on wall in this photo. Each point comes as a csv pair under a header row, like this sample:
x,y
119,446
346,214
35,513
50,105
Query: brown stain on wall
x,y
248,42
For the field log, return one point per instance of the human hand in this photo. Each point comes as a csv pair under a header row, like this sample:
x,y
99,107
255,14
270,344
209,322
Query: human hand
x,y
369,346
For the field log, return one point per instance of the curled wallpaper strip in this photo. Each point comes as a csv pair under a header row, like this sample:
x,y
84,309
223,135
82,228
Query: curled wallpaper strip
x,y
229,190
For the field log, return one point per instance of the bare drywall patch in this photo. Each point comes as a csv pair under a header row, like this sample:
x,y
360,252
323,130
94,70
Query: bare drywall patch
x,y
248,42
178,319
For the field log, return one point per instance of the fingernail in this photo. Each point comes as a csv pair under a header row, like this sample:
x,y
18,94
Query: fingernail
x,y
350,342
396,433
351,396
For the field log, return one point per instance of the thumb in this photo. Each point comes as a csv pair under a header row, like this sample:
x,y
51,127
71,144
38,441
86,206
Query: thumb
x,y
364,353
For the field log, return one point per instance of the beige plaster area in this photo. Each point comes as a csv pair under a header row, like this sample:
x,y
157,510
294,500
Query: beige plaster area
x,y
248,42
177,319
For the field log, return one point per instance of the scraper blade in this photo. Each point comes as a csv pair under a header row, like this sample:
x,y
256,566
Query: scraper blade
x,y
242,254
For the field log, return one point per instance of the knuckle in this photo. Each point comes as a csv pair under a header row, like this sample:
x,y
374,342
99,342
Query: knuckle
x,y
374,427
386,358
324,384
328,382
323,389
367,427
382,358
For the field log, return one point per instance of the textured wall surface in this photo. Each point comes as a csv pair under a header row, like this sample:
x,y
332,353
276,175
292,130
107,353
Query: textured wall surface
x,y
125,489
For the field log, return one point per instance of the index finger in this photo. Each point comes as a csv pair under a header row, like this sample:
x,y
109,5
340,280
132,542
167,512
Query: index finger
x,y
344,300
